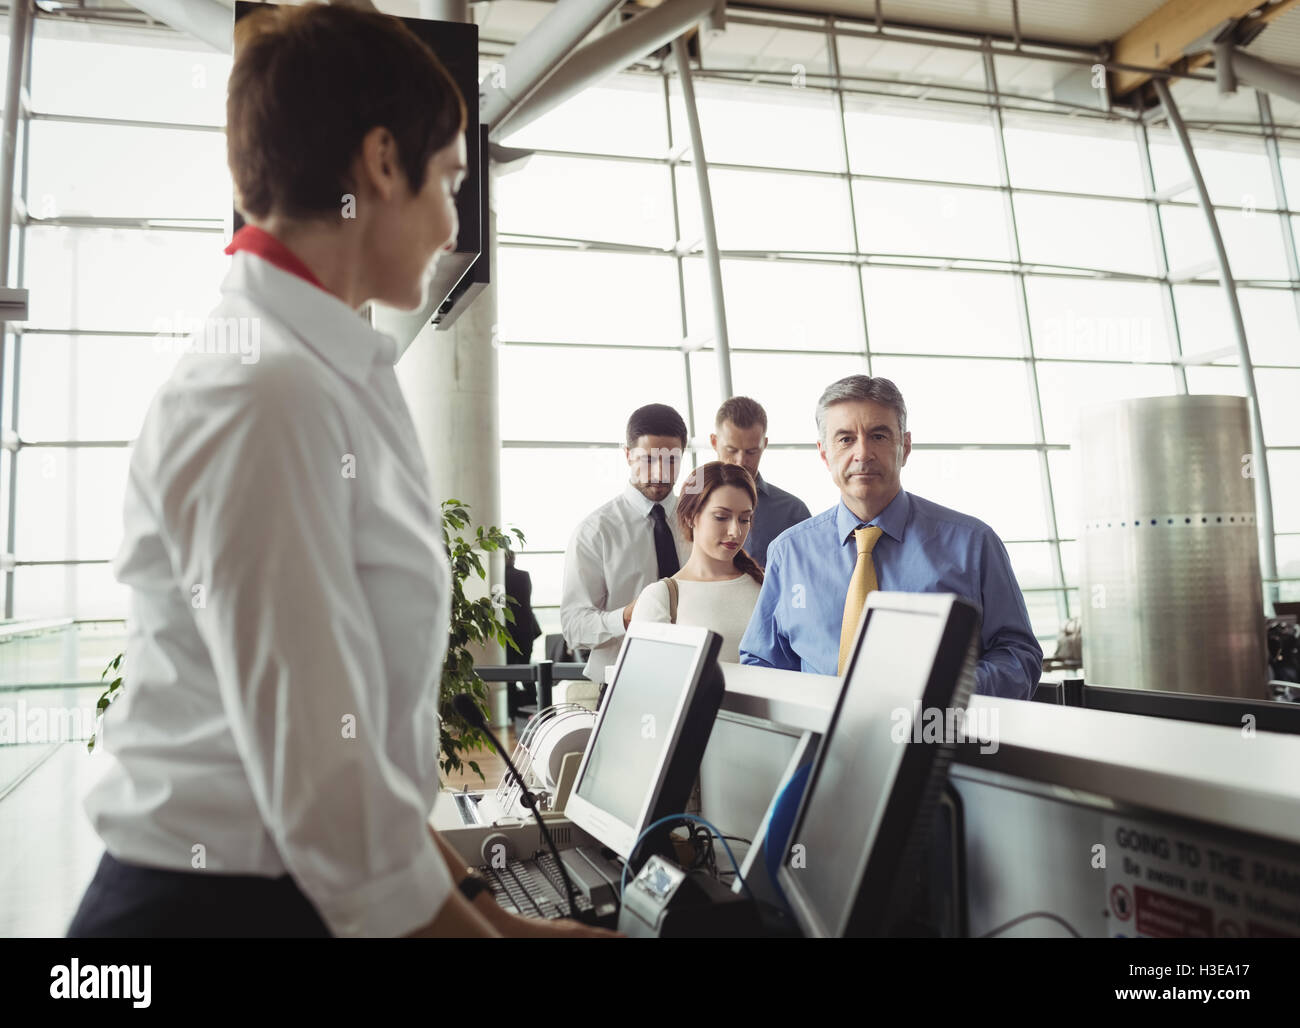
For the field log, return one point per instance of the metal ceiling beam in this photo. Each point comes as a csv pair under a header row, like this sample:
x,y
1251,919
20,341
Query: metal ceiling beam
x,y
609,54
1232,65
209,21
1160,39
536,56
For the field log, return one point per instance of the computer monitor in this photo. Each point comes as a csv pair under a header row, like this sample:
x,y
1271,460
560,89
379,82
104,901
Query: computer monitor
x,y
654,724
881,765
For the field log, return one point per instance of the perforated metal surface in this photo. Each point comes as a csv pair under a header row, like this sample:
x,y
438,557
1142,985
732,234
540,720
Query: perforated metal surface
x,y
1172,596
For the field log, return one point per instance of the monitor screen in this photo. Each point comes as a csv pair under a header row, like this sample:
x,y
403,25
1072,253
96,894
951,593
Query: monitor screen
x,y
637,726
860,762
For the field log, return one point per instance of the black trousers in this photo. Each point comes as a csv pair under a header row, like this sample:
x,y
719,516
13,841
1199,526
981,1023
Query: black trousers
x,y
126,901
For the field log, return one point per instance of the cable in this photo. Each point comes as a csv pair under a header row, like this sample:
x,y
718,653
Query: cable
x,y
702,843
1029,917
664,820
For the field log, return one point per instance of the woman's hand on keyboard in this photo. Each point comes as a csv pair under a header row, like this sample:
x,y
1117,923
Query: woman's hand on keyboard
x,y
514,926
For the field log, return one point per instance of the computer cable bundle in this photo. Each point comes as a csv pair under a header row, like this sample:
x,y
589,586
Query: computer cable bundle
x,y
701,843
679,819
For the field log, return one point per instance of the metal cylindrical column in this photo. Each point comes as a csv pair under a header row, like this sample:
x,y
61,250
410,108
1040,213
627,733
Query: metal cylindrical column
x,y
1171,586
1267,542
721,344
20,31
20,18
451,381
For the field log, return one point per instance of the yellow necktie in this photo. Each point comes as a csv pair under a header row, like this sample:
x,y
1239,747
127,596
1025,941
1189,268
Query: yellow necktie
x,y
862,583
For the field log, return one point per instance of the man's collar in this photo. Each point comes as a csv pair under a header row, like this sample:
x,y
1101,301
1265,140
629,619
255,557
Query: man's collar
x,y
320,319
762,485
892,520
642,505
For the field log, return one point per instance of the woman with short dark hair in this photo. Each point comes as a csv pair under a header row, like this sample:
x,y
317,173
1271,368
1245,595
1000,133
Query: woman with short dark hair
x,y
274,757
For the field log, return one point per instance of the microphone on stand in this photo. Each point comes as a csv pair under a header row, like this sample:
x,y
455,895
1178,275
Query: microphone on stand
x,y
468,709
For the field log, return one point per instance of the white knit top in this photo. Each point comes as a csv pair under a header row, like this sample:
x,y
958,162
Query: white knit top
x,y
722,606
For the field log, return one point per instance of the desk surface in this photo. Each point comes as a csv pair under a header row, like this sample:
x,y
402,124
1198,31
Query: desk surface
x,y
790,698
1212,773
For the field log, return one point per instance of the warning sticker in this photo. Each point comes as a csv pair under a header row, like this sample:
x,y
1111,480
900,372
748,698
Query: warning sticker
x,y
1121,903
1188,887
1165,917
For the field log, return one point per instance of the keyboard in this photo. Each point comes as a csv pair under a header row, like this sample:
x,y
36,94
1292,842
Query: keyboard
x,y
535,888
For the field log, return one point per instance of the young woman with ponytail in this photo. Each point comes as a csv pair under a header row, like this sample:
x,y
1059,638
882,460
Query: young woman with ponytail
x,y
718,586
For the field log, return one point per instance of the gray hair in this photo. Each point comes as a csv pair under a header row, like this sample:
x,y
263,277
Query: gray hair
x,y
861,387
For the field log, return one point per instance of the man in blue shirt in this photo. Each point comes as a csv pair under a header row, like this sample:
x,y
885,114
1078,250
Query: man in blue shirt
x,y
922,547
740,437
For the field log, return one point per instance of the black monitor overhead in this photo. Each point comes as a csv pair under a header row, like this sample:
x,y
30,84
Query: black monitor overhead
x,y
874,786
654,724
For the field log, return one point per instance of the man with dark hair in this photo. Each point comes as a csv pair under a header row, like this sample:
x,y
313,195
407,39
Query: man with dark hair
x,y
740,437
879,536
627,543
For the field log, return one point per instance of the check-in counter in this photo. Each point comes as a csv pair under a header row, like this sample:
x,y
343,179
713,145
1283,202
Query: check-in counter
x,y
1095,823
1061,820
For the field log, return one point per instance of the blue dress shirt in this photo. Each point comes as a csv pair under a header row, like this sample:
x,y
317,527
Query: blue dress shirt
x,y
776,511
924,548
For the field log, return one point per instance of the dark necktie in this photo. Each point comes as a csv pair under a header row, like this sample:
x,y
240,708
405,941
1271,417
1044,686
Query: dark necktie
x,y
665,547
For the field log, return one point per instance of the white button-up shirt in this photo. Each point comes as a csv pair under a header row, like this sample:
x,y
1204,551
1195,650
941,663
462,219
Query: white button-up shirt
x,y
288,620
610,559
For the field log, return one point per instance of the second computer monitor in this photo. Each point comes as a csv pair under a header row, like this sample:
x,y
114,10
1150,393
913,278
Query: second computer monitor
x,y
654,724
881,764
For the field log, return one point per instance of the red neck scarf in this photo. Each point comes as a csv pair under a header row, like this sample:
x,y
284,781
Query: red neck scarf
x,y
266,246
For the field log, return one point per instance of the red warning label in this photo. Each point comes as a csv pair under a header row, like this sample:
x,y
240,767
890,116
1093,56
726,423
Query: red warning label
x,y
1192,886
1167,917
1263,931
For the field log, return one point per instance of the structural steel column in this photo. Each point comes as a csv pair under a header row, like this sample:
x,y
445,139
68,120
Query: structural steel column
x,y
20,31
1263,493
721,345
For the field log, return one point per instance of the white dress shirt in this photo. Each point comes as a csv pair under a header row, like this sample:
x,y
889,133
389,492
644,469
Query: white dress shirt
x,y
724,606
288,619
610,559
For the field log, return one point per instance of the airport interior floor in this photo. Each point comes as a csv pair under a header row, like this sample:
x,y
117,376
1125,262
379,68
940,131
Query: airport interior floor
x,y
48,850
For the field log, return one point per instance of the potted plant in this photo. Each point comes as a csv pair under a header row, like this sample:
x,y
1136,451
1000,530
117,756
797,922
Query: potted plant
x,y
108,696
481,621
